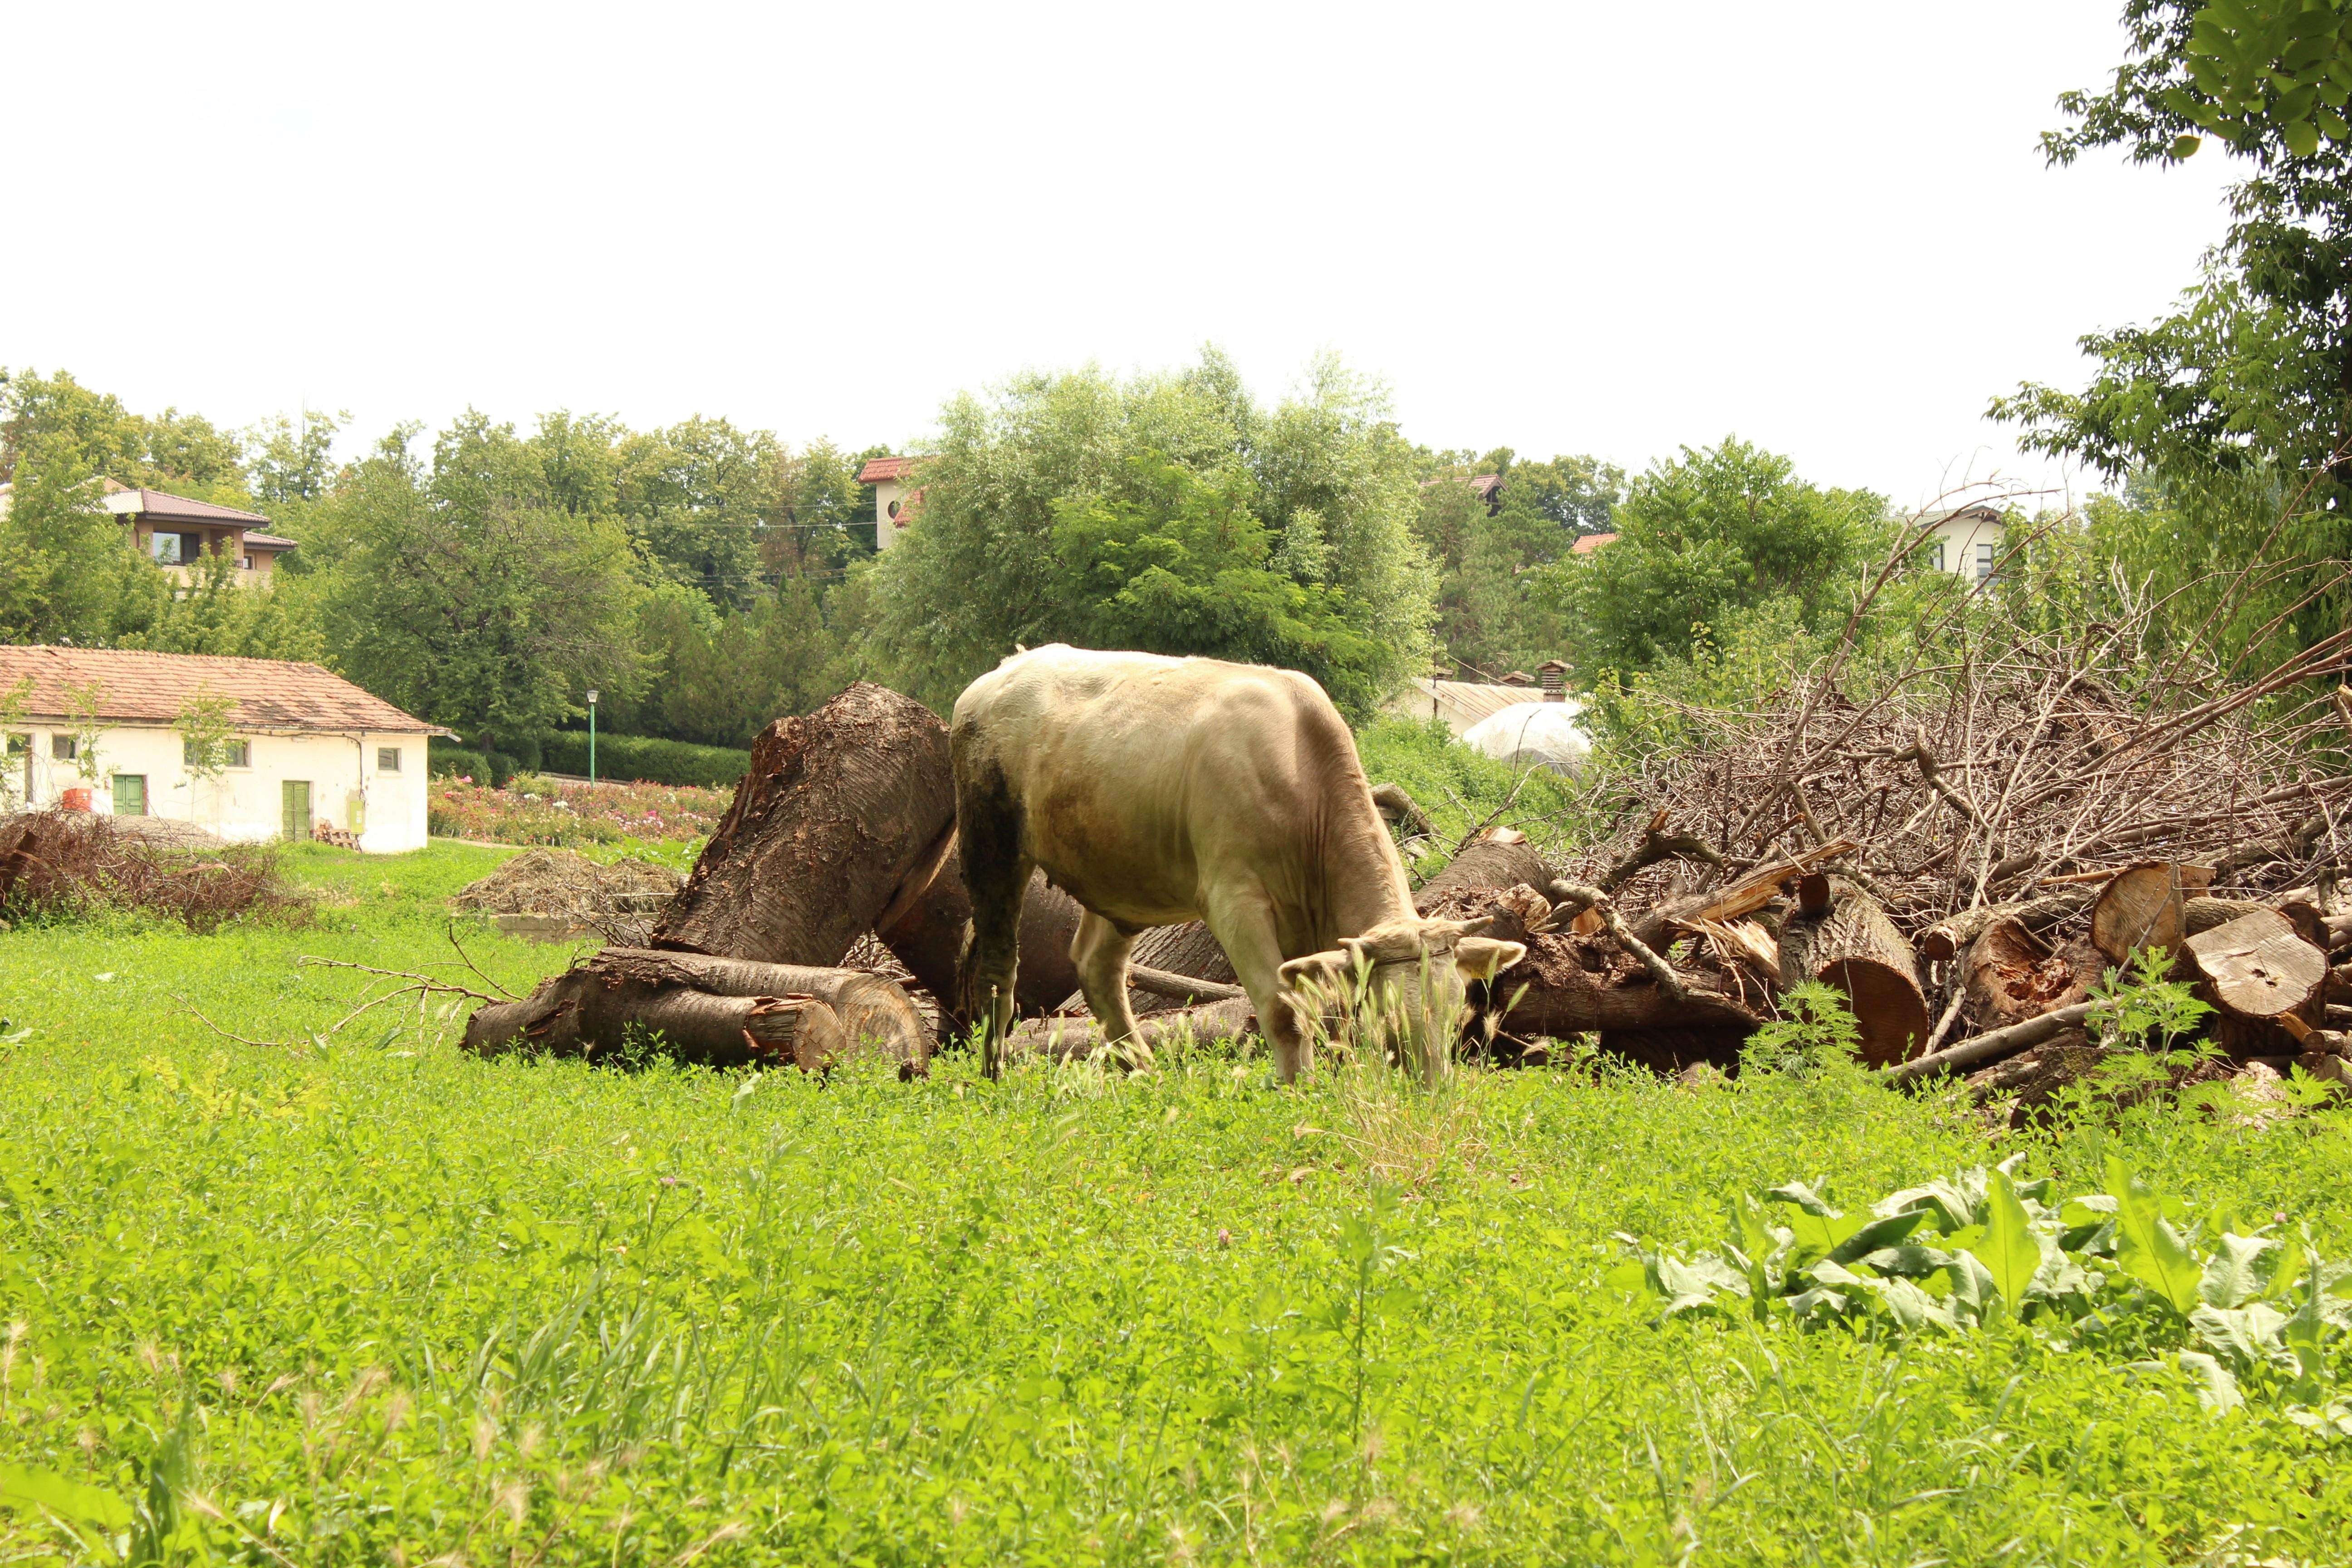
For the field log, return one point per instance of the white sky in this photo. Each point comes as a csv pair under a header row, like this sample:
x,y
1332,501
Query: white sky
x,y
1567,227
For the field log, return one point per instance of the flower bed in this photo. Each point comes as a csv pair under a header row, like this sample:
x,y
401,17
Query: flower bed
x,y
533,810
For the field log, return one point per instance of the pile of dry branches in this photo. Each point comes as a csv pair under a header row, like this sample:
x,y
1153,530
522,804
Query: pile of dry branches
x,y
76,863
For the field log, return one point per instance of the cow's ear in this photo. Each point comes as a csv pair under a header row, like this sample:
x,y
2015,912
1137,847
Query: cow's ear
x,y
1327,971
1482,957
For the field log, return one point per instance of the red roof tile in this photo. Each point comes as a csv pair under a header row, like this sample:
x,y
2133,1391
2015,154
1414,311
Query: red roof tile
x,y
879,469
266,541
1587,543
140,688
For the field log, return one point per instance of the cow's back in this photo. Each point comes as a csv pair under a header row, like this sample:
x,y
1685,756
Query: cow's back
x,y
1136,777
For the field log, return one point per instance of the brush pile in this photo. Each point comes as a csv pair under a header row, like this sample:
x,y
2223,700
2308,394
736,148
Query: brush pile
x,y
74,864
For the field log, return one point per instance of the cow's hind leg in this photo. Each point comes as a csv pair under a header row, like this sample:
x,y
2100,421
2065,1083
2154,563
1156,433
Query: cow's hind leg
x,y
1100,951
996,874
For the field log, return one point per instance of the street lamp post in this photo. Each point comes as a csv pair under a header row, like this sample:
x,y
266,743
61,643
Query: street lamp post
x,y
591,734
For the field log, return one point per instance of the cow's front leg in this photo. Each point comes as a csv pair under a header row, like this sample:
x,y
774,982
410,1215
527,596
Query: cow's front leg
x,y
1100,950
1243,927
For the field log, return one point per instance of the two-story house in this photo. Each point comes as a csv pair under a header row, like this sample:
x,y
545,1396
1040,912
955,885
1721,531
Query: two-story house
x,y
894,500
176,530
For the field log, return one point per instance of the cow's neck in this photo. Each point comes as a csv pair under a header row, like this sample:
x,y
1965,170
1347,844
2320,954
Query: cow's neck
x,y
1364,881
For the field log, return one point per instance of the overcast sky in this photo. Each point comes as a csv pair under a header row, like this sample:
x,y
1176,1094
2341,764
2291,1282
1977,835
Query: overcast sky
x,y
1562,227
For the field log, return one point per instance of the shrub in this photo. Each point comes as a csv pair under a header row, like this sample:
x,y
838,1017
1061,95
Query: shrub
x,y
647,759
447,759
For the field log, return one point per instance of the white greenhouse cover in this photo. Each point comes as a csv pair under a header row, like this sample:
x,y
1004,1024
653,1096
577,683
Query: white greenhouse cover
x,y
1544,734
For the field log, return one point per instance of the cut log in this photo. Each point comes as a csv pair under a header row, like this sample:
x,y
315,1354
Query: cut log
x,y
2257,966
840,811
1947,938
875,1013
2013,976
1854,948
580,1014
1493,861
2202,914
2146,906
1575,984
1750,893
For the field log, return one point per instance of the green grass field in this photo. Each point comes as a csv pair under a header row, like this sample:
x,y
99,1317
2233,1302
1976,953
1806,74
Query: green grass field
x,y
369,1300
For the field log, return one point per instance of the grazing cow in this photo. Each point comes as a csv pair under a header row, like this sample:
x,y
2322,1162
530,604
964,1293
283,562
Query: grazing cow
x,y
1160,790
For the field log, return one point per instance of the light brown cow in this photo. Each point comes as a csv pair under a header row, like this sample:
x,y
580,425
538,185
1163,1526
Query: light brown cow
x,y
1160,790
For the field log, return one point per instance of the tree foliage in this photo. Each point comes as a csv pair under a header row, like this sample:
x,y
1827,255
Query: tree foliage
x,y
1719,532
1051,511
1491,616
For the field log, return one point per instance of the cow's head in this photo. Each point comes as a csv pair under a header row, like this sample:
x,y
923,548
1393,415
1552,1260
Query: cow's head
x,y
1405,979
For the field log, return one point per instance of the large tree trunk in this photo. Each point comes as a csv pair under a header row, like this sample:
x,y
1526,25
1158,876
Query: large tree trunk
x,y
841,815
1500,859
2013,976
1575,984
582,1012
2146,906
1947,938
875,1013
1851,945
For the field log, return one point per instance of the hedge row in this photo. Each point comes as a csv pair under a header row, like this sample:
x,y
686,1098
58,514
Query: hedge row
x,y
645,758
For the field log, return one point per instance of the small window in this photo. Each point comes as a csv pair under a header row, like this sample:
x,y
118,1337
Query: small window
x,y
18,746
1984,561
894,508
238,753
387,759
1936,555
64,748
166,548
249,562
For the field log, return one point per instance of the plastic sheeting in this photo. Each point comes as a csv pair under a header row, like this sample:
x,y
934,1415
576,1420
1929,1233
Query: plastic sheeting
x,y
1538,735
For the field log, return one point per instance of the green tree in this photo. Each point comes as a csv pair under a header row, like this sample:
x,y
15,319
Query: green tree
x,y
700,498
1491,616
1721,531
290,463
183,453
68,572
465,593
1054,473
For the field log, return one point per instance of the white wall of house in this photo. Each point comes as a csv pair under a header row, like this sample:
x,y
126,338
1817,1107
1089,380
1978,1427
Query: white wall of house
x,y
888,493
351,787
1966,546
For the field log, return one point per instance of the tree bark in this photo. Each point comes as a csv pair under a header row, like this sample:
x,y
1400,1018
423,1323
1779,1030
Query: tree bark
x,y
840,811
1990,1047
1489,862
1067,1037
874,1013
2013,976
2146,906
1750,893
581,1013
1575,985
1853,946
1947,938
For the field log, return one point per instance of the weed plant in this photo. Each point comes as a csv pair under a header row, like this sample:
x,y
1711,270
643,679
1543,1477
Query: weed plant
x,y
359,1299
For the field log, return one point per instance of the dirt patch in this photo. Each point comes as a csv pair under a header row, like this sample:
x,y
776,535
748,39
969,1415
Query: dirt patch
x,y
557,893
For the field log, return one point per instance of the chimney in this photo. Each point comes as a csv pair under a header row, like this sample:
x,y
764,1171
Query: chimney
x,y
1552,676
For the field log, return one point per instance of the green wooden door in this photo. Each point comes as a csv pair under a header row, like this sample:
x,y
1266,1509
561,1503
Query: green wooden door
x,y
130,794
295,797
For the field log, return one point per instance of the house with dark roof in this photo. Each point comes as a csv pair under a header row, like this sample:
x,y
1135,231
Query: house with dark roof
x,y
289,751
176,530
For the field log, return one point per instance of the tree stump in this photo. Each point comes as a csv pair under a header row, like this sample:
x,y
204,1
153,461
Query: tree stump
x,y
841,813
2146,906
2255,970
929,933
1502,858
1852,946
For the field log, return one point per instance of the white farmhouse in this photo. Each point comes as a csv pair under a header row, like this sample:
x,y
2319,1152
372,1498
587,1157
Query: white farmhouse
x,y
1965,540
306,748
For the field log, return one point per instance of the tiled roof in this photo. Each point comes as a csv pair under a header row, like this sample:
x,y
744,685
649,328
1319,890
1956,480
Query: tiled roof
x,y
1586,543
879,469
140,688
178,509
269,541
